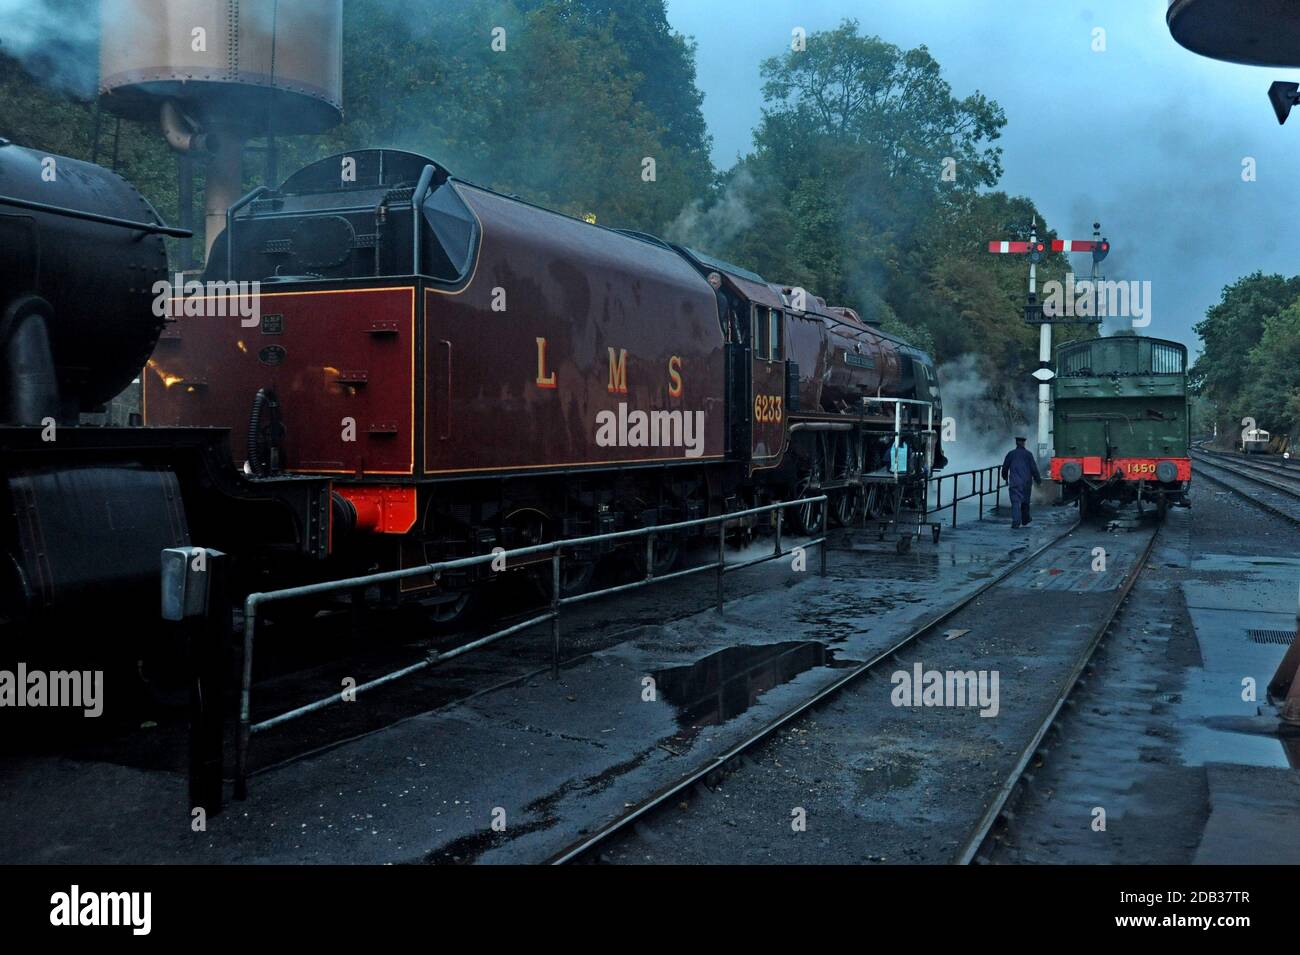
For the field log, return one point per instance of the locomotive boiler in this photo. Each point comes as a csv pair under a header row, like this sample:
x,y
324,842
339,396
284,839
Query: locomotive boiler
x,y
85,511
81,249
472,371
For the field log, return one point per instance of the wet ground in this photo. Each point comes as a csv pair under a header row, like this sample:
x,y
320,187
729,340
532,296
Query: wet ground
x,y
518,765
1168,739
491,760
872,778
1163,755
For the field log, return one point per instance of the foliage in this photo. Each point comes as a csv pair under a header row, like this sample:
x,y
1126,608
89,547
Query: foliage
x,y
868,183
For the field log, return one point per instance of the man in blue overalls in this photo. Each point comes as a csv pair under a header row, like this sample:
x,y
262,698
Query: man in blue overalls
x,y
1019,470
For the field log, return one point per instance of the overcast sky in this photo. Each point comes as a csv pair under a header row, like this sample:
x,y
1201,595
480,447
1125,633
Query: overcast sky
x,y
1146,136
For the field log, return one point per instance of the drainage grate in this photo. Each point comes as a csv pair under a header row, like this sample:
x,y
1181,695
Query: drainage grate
x,y
1271,636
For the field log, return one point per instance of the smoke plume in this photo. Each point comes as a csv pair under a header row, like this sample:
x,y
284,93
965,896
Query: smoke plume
x,y
55,40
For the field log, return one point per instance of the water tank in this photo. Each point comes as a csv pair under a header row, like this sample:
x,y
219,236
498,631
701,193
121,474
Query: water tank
x,y
1254,32
257,65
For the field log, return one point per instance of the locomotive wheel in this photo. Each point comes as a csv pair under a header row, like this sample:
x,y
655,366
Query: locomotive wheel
x,y
534,527
806,518
575,577
884,509
445,608
871,502
667,547
666,554
450,609
844,510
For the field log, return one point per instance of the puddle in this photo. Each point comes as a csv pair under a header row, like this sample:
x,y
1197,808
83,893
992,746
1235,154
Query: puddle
x,y
1219,722
1228,562
884,772
721,686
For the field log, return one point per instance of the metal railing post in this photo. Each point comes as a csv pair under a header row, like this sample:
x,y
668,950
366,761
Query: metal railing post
x,y
981,495
555,614
826,516
245,699
196,603
722,558
777,549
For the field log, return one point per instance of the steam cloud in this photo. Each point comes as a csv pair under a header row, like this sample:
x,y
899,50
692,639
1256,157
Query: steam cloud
x,y
985,426
55,40
712,228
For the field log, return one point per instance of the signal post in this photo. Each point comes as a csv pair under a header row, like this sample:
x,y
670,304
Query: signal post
x,y
1043,374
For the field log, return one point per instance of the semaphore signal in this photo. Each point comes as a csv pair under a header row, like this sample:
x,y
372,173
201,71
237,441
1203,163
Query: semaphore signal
x,y
1037,250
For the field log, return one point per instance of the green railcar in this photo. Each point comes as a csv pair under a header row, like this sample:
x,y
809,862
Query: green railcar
x,y
1121,421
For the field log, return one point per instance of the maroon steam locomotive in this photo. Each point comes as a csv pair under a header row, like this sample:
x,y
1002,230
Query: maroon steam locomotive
x,y
472,371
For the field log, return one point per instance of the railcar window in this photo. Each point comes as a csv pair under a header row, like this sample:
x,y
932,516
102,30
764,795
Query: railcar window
x,y
761,331
1123,356
1166,359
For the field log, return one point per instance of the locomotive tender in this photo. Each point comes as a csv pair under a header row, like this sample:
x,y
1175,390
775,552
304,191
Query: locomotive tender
x,y
470,370
1121,421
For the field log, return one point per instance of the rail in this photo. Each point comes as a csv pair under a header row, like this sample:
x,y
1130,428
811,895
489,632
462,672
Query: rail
x,y
555,549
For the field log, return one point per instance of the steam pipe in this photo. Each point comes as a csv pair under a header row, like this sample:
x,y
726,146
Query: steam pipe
x,y
417,203
33,390
179,132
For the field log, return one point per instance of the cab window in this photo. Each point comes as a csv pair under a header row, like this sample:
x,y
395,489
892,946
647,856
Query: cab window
x,y
775,338
761,331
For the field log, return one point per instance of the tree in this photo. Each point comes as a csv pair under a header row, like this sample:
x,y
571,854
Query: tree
x,y
1241,368
863,91
867,185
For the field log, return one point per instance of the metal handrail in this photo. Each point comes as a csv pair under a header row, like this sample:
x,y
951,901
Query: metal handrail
x,y
230,225
555,548
983,481
158,228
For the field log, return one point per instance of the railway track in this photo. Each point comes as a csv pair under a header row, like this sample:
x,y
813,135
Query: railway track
x,y
1278,493
1264,464
980,842
974,846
